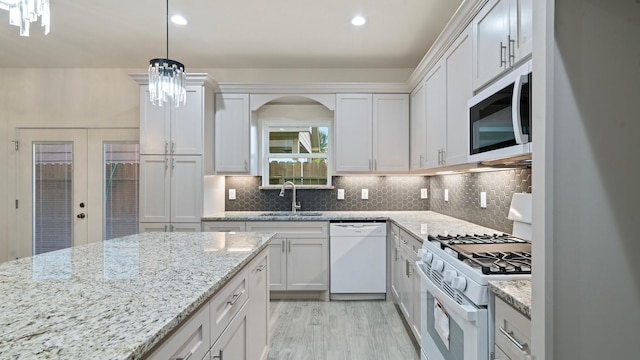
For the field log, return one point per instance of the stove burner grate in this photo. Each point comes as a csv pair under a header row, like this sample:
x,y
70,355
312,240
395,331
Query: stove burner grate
x,y
499,262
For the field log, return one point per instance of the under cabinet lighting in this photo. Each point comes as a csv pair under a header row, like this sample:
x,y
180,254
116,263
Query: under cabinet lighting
x,y
178,20
358,20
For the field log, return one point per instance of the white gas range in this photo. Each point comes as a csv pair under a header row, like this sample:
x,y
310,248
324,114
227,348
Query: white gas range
x,y
457,311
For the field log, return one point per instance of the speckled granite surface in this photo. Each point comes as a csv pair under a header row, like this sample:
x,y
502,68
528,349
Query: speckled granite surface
x,y
516,293
419,223
115,299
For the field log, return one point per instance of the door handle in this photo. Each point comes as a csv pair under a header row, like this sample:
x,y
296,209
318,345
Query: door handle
x,y
81,216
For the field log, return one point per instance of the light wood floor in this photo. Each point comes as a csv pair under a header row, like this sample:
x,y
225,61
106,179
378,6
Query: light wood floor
x,y
340,330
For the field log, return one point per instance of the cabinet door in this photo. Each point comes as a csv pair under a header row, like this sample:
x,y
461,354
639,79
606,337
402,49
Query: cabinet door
x,y
406,289
232,136
191,339
418,128
186,188
390,133
415,301
521,28
187,124
153,227
258,317
185,227
436,114
277,265
394,243
353,133
490,30
223,226
459,91
155,127
232,344
155,189
307,264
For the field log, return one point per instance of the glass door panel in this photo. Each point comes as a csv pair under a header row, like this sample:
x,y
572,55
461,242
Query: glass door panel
x,y
121,174
52,197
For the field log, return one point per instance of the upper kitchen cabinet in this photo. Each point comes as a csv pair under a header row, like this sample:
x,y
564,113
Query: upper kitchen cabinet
x,y
372,133
171,130
502,37
435,86
232,134
418,128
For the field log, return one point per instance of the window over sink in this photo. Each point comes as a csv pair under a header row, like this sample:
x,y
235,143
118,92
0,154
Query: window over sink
x,y
296,150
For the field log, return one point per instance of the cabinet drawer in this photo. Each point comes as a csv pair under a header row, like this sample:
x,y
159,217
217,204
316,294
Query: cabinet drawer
x,y
395,235
289,229
191,340
512,331
410,244
226,304
225,226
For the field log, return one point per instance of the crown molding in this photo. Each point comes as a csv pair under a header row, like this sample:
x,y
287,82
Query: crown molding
x,y
456,25
314,88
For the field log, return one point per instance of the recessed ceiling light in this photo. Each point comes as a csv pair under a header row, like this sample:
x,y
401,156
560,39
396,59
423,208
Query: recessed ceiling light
x,y
178,20
358,20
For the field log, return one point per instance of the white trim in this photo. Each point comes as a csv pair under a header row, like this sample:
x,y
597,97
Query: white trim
x,y
258,100
456,25
314,88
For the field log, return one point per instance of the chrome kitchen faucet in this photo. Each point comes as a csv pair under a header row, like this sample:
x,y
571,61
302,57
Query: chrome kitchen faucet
x,y
294,205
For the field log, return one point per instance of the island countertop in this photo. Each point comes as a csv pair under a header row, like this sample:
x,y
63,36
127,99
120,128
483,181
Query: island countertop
x,y
114,299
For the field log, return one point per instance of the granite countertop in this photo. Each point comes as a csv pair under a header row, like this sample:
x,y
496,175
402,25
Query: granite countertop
x,y
418,223
516,293
114,299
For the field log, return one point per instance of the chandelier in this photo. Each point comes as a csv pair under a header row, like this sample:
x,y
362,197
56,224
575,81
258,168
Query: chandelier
x,y
23,12
167,79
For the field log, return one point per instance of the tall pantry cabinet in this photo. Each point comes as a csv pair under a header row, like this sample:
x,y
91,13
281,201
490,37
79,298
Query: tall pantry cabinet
x,y
172,153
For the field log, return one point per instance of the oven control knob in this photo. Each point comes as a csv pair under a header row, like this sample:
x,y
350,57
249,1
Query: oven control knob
x,y
449,275
459,283
427,257
437,265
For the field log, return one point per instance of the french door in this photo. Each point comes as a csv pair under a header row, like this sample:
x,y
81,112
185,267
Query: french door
x,y
74,186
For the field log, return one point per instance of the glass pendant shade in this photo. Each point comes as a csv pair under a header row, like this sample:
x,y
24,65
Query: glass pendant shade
x,y
167,82
23,12
167,79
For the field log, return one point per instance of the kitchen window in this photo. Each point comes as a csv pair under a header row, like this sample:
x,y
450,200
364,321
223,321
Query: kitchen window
x,y
297,151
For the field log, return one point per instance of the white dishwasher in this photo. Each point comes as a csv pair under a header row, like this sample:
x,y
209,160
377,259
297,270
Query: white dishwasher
x,y
358,257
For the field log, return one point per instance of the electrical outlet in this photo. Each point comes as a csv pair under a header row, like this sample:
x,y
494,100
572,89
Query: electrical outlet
x,y
365,194
232,194
340,194
423,229
446,195
483,199
423,193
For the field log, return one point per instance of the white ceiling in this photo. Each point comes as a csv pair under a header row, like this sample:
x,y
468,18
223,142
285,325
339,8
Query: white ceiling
x,y
230,34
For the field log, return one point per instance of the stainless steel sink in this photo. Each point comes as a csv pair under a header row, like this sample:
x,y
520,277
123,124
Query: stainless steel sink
x,y
288,213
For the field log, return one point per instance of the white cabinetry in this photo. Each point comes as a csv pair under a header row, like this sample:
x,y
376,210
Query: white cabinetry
x,y
418,128
232,134
224,226
171,158
258,321
299,255
435,85
192,339
405,283
396,263
372,133
512,333
502,34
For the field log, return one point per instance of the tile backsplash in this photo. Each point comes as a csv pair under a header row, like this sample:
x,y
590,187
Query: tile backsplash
x,y
386,193
396,193
464,196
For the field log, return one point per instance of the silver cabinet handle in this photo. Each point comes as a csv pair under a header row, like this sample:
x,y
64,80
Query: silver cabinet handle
x,y
172,227
219,356
261,268
421,158
173,164
512,54
396,254
289,244
246,165
235,298
186,356
515,342
166,147
166,227
166,164
282,245
173,147
503,61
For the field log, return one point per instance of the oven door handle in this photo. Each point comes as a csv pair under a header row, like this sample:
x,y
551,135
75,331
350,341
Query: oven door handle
x,y
467,312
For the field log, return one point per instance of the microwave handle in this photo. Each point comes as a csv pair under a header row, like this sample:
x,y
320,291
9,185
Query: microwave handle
x,y
515,110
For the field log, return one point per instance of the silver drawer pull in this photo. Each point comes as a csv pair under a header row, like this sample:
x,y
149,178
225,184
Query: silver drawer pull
x,y
235,298
219,356
515,342
186,357
261,267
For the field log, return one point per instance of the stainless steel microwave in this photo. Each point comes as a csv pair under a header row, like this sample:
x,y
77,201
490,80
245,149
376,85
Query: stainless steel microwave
x,y
500,118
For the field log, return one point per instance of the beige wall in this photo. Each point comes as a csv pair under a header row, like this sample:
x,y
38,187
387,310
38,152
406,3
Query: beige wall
x,y
102,98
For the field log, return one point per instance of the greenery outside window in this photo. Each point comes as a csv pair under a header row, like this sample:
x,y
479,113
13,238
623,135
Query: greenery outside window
x,y
296,151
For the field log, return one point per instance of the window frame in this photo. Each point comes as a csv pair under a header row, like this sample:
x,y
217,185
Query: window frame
x,y
265,155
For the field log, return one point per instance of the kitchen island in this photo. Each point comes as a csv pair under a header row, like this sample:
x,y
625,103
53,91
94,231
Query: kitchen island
x,y
115,299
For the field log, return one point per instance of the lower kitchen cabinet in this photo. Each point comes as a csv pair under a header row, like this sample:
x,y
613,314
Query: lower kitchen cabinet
x,y
396,263
299,254
258,320
233,342
406,281
512,333
169,227
225,226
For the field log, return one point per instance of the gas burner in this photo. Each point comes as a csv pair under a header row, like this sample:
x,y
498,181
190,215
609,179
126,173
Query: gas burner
x,y
499,262
446,240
